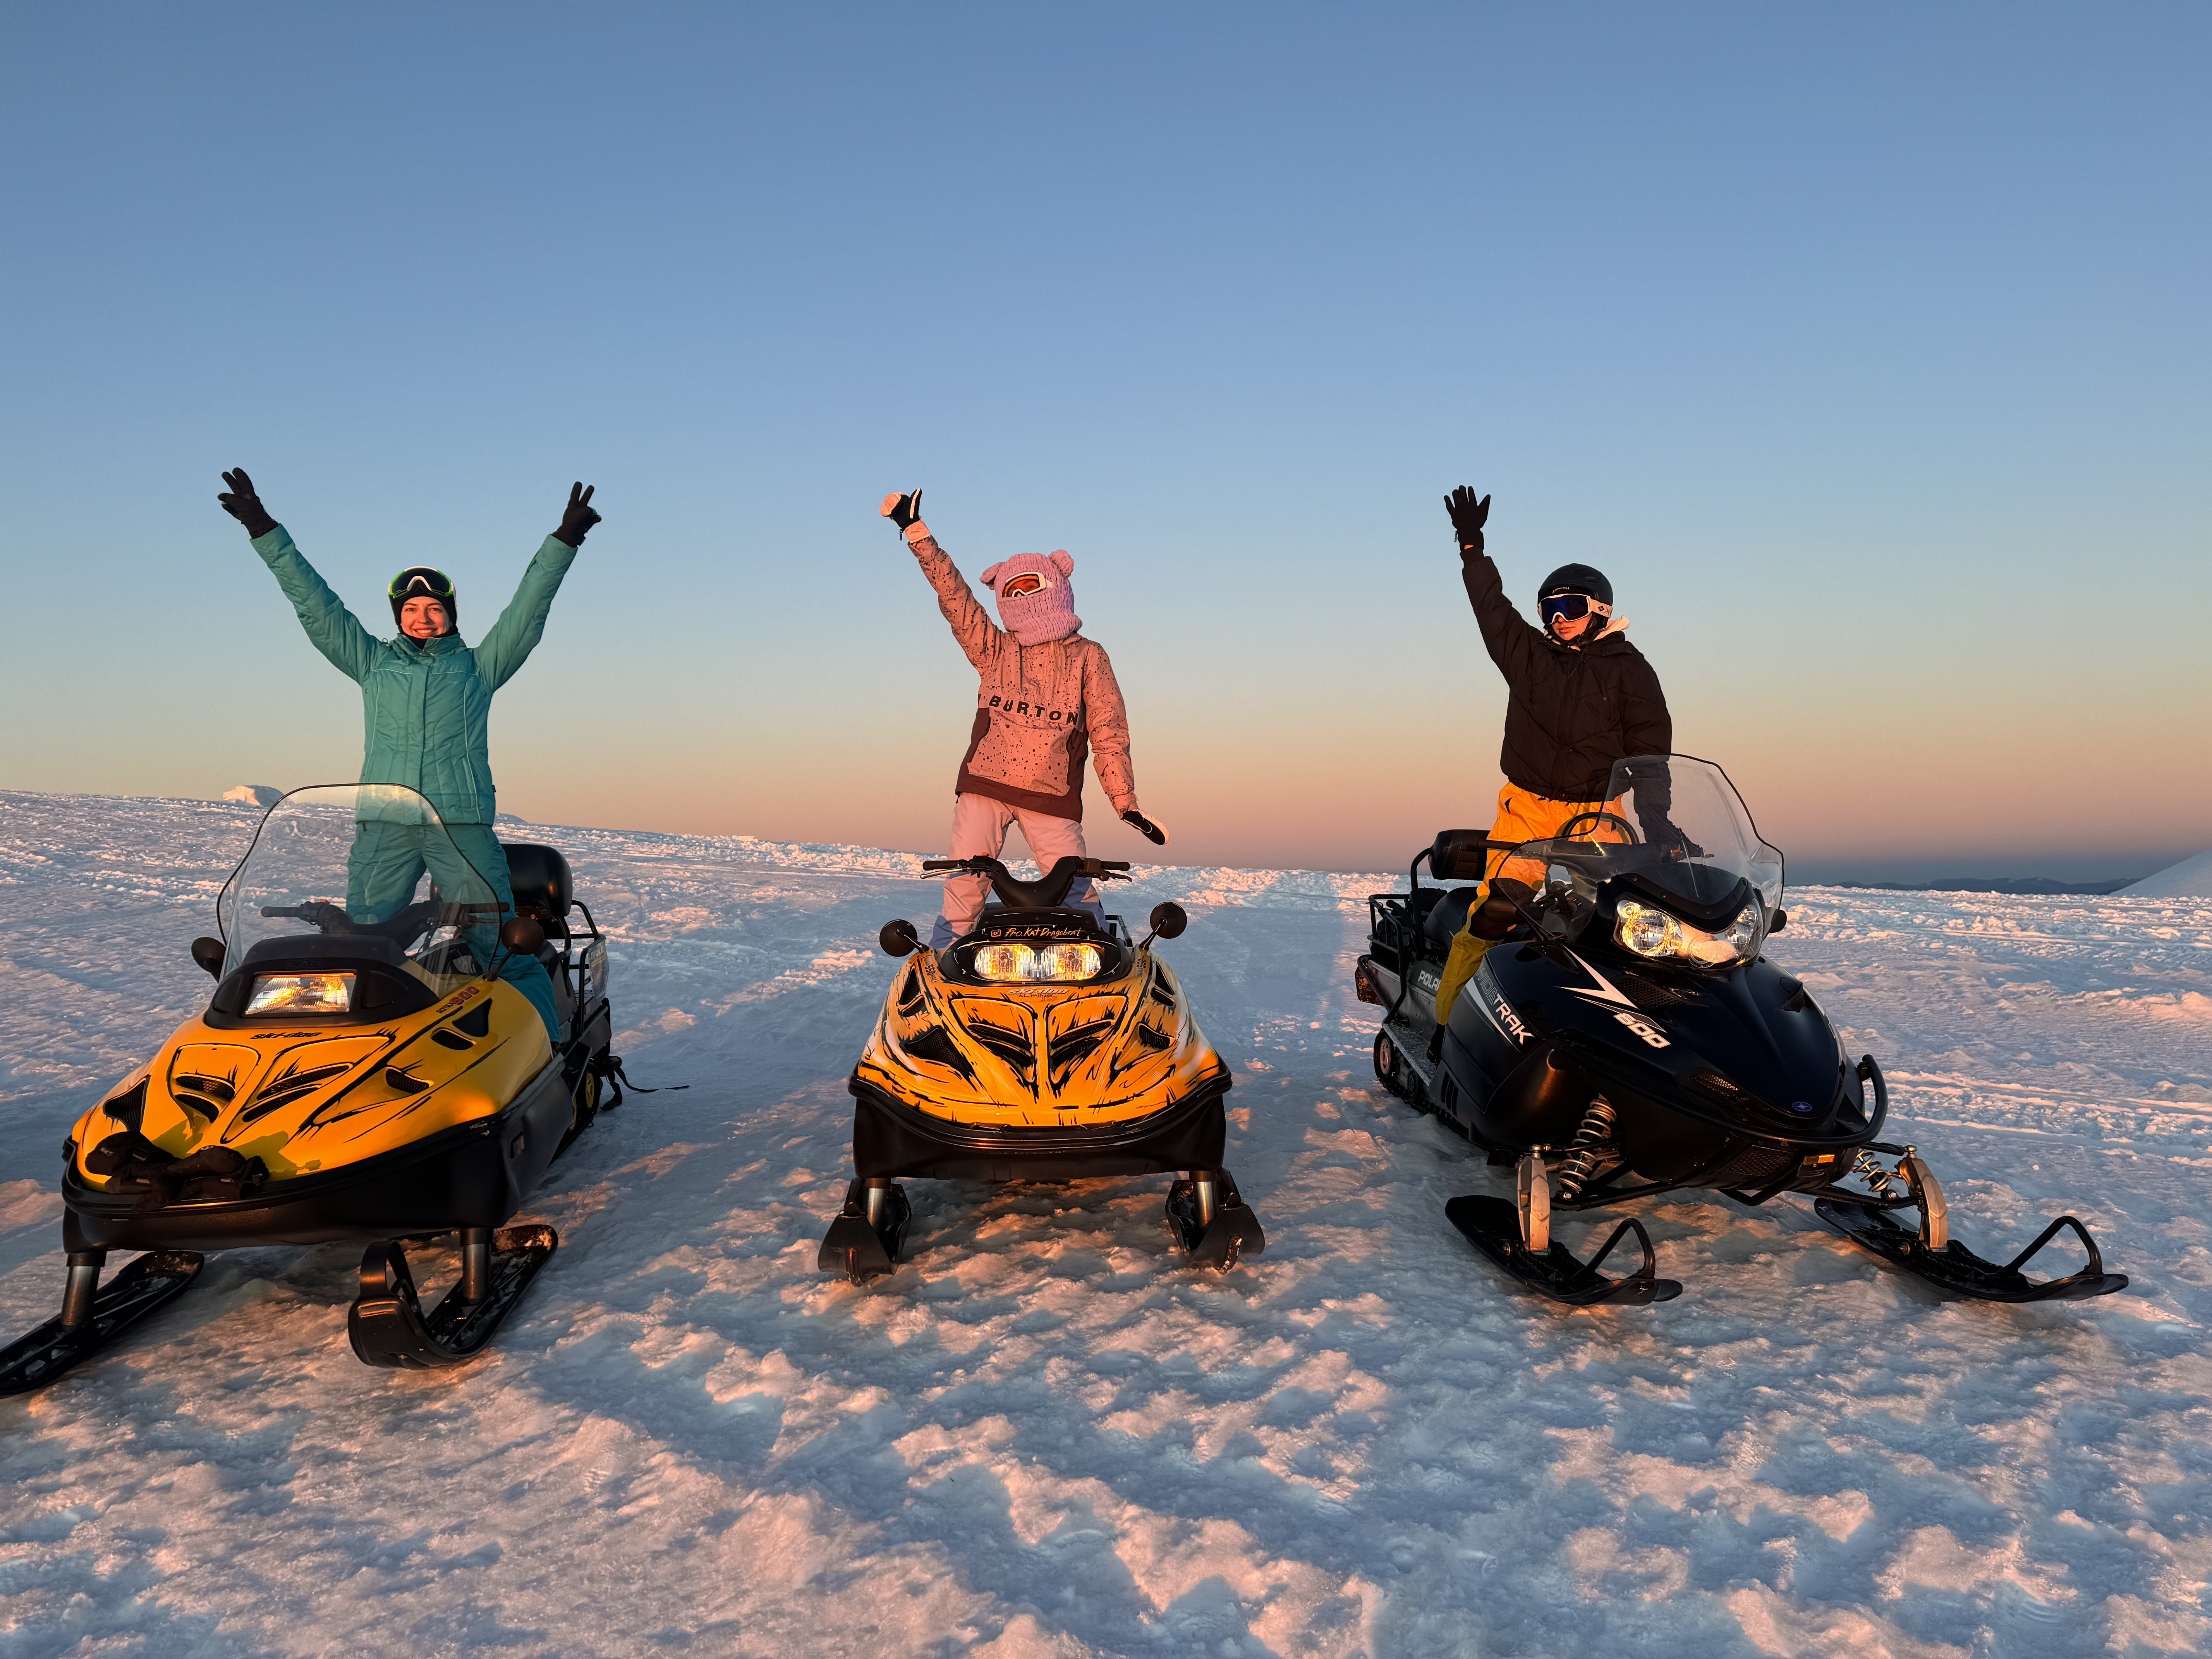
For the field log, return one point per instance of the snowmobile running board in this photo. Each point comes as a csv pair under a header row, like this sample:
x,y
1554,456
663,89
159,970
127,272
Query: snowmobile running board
x,y
1957,1269
1493,1227
141,1287
386,1322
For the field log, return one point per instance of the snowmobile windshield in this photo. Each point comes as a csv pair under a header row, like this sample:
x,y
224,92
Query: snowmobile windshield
x,y
365,864
1672,832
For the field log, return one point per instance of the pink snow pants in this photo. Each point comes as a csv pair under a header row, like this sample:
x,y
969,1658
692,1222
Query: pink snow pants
x,y
979,830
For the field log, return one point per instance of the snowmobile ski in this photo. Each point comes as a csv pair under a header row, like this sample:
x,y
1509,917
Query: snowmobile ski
x,y
1951,1267
142,1286
860,1248
1211,1222
387,1321
1493,1226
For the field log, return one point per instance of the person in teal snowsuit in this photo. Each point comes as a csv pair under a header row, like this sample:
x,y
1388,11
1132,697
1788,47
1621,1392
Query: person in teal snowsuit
x,y
426,700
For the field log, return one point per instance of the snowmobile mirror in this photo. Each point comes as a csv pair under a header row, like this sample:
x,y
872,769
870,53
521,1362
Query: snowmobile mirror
x,y
523,936
1168,921
898,938
208,953
1781,920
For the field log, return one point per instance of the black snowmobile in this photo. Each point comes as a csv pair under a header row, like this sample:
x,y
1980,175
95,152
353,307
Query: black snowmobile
x,y
1625,1037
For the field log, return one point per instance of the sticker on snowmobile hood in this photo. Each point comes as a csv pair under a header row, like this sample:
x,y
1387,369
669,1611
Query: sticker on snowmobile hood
x,y
1606,991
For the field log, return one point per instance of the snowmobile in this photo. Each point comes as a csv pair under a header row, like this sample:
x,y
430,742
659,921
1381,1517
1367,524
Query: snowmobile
x,y
1040,1046
361,1073
1625,1036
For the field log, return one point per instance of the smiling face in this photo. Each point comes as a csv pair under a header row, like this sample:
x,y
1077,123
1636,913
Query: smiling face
x,y
1571,628
424,619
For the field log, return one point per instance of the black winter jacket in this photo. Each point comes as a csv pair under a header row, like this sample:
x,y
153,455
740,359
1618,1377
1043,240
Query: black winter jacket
x,y
1570,713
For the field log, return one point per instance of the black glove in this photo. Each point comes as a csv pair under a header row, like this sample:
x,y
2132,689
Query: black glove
x,y
1468,515
577,521
903,510
1666,839
243,505
1155,833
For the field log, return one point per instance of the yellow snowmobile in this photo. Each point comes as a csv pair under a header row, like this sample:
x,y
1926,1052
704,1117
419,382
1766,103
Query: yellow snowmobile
x,y
362,1072
1039,1047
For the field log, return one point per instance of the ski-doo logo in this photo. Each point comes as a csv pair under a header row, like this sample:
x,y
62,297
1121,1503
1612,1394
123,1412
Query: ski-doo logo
x,y
1510,1020
1643,1028
1035,711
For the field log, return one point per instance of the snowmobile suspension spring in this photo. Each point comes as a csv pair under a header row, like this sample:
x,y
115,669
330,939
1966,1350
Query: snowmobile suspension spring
x,y
1867,1169
1590,1144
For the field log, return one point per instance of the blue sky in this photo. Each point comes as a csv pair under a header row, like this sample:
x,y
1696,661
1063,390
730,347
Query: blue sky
x,y
1865,348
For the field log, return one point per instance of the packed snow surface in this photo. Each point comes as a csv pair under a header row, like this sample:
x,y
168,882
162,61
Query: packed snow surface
x,y
2190,878
1042,1435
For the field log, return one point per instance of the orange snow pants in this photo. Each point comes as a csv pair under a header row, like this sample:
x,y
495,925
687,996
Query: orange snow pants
x,y
1521,816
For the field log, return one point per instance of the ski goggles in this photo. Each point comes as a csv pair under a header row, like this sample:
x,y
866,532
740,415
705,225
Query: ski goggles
x,y
1030,581
1566,607
420,582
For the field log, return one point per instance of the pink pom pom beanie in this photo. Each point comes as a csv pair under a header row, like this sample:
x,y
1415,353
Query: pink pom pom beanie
x,y
1040,617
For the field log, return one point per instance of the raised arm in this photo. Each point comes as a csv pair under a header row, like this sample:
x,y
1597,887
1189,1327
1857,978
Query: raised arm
x,y
1510,639
971,625
522,625
331,628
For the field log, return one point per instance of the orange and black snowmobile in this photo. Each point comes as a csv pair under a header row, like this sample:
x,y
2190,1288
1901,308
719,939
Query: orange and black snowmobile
x,y
1039,1047
362,1072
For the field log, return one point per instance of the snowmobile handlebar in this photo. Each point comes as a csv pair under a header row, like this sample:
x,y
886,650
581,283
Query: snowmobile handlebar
x,y
331,918
1097,869
1047,892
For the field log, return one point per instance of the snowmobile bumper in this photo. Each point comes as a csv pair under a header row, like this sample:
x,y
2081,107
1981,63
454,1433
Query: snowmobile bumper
x,y
890,1138
474,1175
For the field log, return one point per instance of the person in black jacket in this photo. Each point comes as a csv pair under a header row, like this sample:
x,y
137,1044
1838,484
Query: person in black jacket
x,y
1579,698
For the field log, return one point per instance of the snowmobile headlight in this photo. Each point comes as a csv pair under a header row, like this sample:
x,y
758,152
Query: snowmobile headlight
x,y
1647,931
1651,932
302,994
1070,961
1737,942
1004,961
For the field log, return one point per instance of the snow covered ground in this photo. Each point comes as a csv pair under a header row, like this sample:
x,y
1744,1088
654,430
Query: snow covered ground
x,y
1041,1436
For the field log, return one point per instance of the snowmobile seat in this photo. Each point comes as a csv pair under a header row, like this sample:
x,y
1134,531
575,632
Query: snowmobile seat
x,y
1447,916
544,890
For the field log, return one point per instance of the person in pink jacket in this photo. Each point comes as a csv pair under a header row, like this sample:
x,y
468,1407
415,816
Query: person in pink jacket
x,y
1048,699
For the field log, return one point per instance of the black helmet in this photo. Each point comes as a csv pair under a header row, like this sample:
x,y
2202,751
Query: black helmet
x,y
419,581
1577,579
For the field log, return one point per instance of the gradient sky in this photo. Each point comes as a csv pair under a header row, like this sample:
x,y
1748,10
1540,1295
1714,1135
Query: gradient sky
x,y
1866,348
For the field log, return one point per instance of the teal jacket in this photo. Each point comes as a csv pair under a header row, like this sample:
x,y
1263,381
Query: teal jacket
x,y
426,704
